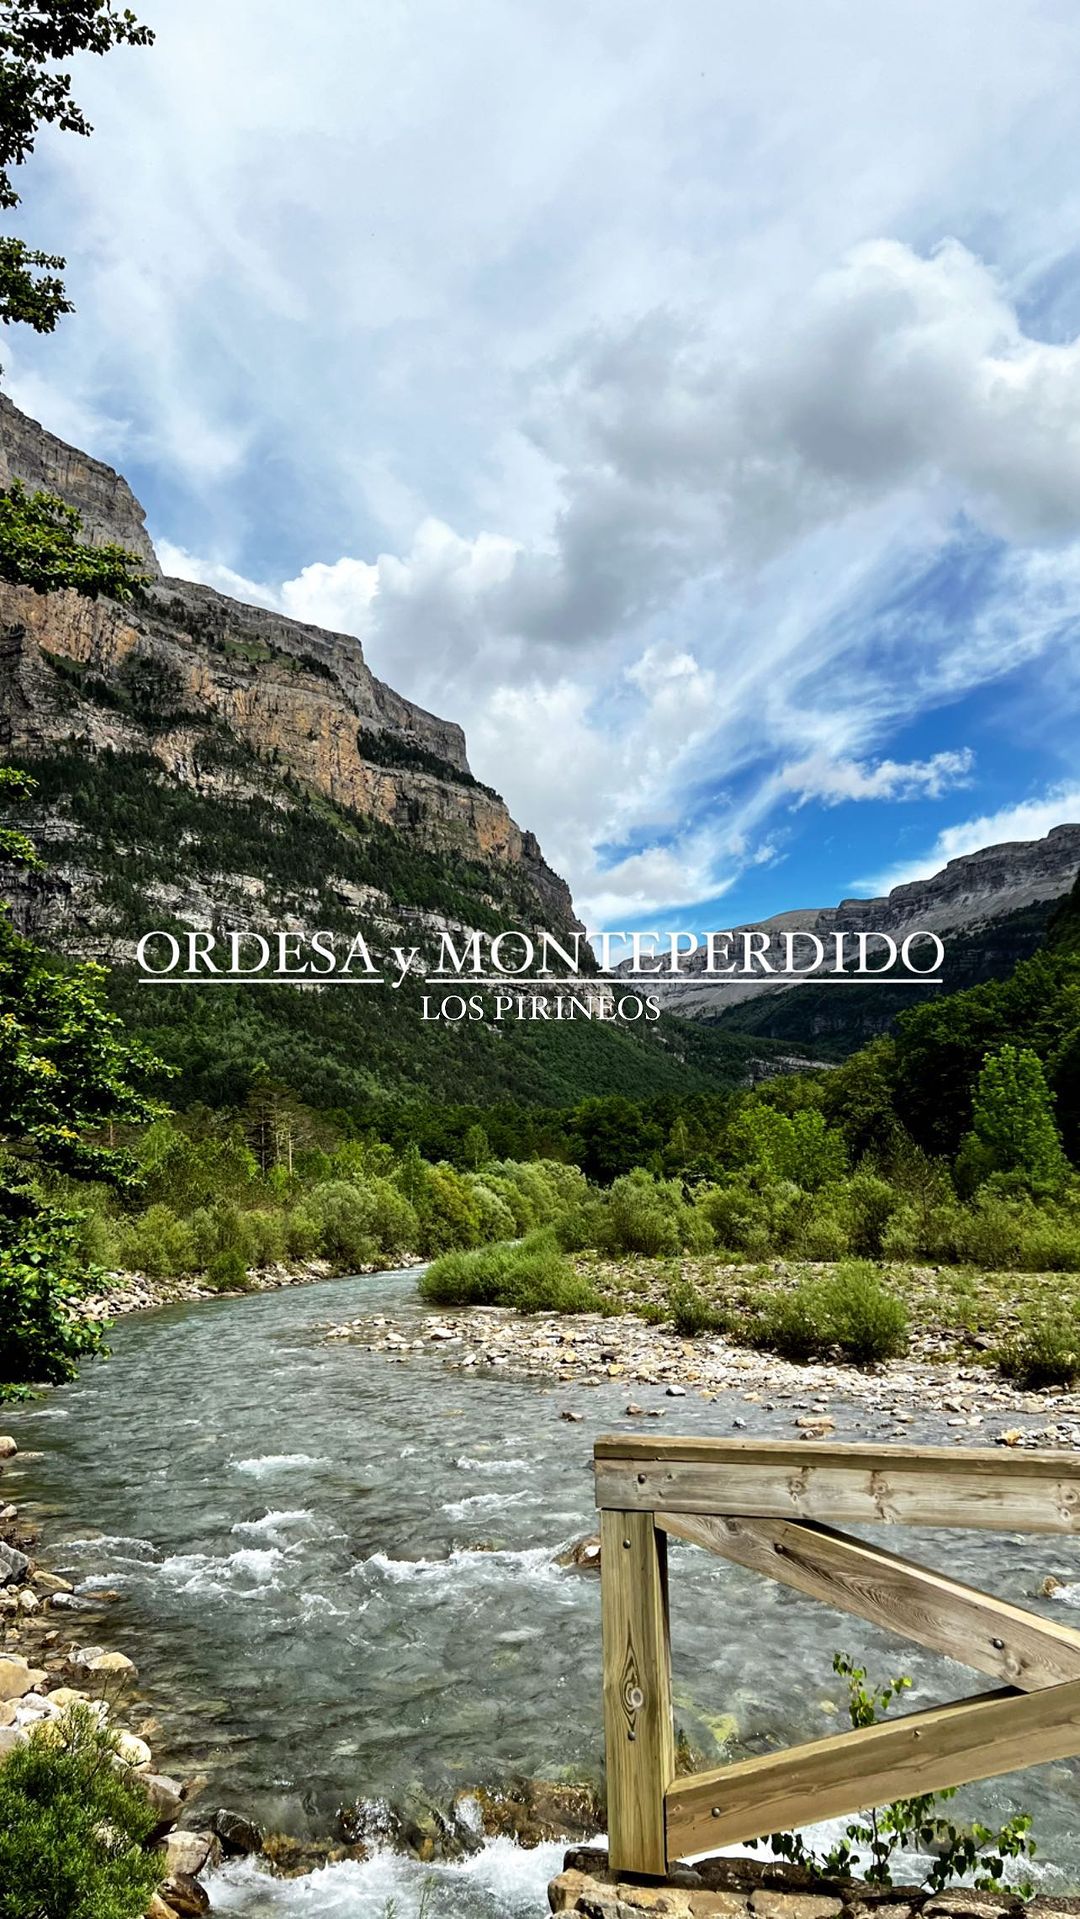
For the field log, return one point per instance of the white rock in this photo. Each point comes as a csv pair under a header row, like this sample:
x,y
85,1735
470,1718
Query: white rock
x,y
111,1662
132,1750
8,1448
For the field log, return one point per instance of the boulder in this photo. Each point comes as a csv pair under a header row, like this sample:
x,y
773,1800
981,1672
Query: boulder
x,y
112,1662
17,1678
184,1894
164,1795
8,1448
237,1834
157,1909
583,1556
14,1565
133,1751
188,1853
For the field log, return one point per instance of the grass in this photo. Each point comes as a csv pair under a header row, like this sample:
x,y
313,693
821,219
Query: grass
x,y
531,1274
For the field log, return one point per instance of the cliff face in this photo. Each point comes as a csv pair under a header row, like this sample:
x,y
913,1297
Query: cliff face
x,y
235,703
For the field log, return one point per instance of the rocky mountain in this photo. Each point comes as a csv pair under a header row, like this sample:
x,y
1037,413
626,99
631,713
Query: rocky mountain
x,y
990,908
234,703
205,763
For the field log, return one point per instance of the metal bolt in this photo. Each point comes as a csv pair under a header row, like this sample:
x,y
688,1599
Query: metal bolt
x,y
631,1735
626,1543
716,1812
641,1479
998,1644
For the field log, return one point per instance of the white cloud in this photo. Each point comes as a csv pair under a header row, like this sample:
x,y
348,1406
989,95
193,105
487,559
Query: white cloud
x,y
619,431
1028,820
833,781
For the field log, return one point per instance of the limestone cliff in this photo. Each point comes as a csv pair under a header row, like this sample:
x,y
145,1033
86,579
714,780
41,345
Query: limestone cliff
x,y
234,702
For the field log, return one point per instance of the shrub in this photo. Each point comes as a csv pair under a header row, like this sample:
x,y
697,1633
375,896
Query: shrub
x,y
646,1215
345,1214
530,1274
689,1311
447,1210
301,1234
849,1310
393,1221
267,1238
1046,1352
41,1276
869,1323
157,1243
74,1829
227,1272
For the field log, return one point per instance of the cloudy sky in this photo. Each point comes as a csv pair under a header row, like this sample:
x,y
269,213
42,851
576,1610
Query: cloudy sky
x,y
685,399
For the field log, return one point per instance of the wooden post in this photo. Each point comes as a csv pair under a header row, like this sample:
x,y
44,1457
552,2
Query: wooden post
x,y
638,1732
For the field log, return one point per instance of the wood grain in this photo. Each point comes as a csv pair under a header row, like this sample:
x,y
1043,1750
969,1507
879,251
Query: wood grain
x,y
906,1598
859,1485
638,1735
918,1753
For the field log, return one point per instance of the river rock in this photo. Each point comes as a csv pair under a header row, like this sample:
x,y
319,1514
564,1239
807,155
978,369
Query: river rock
x,y
11,1738
51,1583
157,1909
133,1751
14,1565
17,1678
184,1894
187,1853
237,1834
112,1662
583,1556
165,1795
8,1448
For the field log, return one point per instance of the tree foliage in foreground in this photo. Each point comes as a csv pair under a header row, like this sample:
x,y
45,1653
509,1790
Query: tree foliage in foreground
x,y
34,92
67,1071
40,547
74,1829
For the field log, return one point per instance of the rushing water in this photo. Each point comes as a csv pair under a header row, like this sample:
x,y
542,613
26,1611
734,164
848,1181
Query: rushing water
x,y
335,1575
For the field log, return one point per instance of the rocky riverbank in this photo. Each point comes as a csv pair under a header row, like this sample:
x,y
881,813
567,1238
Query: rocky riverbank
x,y
139,1293
51,1662
722,1888
594,1349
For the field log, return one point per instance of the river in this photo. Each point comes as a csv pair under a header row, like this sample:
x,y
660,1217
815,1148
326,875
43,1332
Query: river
x,y
335,1575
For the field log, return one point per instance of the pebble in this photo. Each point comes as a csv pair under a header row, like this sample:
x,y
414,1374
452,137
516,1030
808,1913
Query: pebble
x,y
592,1349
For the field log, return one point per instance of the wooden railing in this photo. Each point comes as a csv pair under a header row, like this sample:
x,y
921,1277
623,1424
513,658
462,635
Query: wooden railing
x,y
767,1504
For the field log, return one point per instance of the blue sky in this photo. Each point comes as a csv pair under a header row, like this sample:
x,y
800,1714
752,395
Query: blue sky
x,y
685,400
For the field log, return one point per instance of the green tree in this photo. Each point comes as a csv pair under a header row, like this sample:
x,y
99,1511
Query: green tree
x,y
1013,1126
67,1073
40,547
34,36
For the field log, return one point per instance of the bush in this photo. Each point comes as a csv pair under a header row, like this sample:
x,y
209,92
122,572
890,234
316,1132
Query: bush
x,y
646,1215
227,1272
689,1311
157,1243
345,1214
530,1274
1046,1352
73,1829
41,1277
849,1310
869,1323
